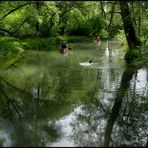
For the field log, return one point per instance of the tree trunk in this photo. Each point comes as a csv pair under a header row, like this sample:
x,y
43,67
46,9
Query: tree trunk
x,y
111,19
129,28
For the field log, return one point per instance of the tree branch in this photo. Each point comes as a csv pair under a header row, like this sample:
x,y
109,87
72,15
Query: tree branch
x,y
14,10
21,25
5,30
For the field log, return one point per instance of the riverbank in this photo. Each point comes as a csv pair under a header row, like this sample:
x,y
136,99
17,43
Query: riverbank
x,y
142,60
12,49
10,60
11,44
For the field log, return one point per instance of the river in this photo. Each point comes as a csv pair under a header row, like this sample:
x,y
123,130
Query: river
x,y
50,99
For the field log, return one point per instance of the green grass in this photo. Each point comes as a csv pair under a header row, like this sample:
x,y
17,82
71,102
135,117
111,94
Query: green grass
x,y
38,43
11,45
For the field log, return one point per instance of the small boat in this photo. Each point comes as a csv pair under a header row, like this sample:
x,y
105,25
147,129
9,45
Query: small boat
x,y
97,41
63,50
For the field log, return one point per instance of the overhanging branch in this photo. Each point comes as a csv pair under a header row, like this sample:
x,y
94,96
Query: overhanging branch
x,y
14,10
21,25
7,31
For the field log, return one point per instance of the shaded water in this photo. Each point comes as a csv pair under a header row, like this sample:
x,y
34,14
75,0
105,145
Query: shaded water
x,y
48,99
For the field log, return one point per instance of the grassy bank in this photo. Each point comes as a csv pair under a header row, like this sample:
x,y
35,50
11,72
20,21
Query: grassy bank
x,y
11,49
139,57
51,42
10,45
142,60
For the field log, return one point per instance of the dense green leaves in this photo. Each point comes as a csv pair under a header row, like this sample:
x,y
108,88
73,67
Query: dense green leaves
x,y
52,18
59,19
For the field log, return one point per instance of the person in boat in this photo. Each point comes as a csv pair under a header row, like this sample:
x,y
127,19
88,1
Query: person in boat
x,y
63,47
97,40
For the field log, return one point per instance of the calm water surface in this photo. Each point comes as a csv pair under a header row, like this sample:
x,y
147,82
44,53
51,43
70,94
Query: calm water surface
x,y
48,99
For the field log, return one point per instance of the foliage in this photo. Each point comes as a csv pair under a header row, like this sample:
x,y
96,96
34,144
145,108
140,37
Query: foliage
x,y
89,28
103,34
72,39
121,37
10,46
142,60
132,54
76,18
38,43
47,23
144,32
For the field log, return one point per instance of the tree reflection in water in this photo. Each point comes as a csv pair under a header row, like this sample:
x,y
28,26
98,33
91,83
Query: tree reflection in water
x,y
29,100
36,96
122,123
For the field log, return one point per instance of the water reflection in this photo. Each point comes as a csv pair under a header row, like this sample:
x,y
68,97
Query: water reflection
x,y
121,124
50,100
